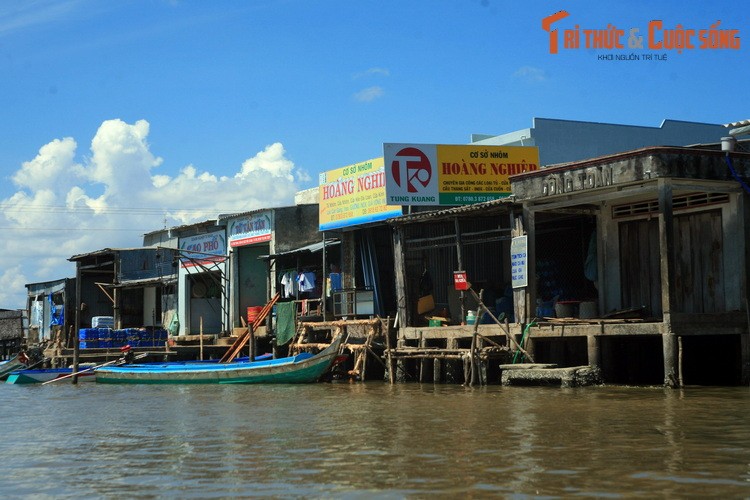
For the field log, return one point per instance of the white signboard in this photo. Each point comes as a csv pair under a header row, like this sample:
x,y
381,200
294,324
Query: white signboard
x,y
518,262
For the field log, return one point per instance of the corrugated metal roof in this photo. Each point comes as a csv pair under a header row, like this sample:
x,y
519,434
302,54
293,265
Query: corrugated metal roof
x,y
103,251
145,282
737,124
487,208
315,247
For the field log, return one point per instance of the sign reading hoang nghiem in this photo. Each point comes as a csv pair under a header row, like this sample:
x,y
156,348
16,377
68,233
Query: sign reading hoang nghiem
x,y
434,174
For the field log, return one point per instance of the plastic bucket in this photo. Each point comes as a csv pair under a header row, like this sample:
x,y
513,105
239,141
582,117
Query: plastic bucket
x,y
252,313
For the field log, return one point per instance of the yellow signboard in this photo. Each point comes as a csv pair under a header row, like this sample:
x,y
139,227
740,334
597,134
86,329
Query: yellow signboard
x,y
354,195
437,174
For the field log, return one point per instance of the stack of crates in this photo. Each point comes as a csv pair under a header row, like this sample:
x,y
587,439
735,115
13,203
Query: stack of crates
x,y
147,337
106,338
88,338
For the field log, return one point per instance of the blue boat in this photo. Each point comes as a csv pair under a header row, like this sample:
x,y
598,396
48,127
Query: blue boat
x,y
302,368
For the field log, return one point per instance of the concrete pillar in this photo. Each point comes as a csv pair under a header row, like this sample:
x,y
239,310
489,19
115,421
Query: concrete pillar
x,y
592,344
745,352
452,366
668,346
400,363
482,363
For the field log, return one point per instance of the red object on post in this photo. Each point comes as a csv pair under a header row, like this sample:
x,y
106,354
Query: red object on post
x,y
459,280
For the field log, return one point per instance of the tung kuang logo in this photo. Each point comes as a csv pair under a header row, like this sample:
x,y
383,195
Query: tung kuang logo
x,y
411,168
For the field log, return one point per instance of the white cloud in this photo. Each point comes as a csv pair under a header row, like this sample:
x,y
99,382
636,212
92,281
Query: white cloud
x,y
12,279
530,74
373,72
65,207
52,165
369,94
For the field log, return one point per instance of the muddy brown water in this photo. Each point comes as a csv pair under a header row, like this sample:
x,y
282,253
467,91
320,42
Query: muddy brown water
x,y
373,440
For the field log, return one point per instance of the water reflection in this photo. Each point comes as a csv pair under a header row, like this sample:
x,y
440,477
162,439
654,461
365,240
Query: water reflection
x,y
365,439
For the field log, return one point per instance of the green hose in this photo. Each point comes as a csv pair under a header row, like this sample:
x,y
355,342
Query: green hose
x,y
523,339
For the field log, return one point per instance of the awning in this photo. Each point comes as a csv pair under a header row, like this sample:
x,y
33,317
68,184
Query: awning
x,y
146,282
313,248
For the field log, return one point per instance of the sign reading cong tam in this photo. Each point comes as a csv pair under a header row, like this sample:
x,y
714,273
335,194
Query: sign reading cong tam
x,y
354,195
435,174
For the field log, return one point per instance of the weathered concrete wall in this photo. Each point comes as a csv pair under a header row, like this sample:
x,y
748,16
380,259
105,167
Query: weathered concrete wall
x,y
295,227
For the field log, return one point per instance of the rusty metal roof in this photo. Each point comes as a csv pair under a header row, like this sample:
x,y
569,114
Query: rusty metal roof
x,y
498,206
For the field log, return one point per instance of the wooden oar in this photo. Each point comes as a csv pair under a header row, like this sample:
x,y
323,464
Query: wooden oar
x,y
120,360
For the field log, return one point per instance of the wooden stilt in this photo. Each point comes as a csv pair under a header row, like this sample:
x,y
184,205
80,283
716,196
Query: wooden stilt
x,y
389,355
680,380
423,361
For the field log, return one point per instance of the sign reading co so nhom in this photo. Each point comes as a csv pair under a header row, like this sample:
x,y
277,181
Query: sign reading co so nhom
x,y
354,195
435,174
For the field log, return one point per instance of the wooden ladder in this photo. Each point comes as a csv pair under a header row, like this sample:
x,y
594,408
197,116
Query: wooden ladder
x,y
242,340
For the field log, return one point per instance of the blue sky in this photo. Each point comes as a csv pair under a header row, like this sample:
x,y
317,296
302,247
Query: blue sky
x,y
118,116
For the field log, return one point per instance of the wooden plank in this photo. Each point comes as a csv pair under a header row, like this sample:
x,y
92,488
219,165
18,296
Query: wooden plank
x,y
625,265
643,271
666,247
242,340
717,260
698,258
399,264
653,266
683,266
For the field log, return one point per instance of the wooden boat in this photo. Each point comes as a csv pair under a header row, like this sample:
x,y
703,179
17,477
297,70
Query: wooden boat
x,y
17,362
41,376
302,368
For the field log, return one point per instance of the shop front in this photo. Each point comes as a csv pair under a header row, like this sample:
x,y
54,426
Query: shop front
x,y
203,305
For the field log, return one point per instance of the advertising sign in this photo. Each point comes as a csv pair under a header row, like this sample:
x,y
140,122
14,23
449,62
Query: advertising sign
x,y
203,249
252,229
354,195
518,262
434,174
459,280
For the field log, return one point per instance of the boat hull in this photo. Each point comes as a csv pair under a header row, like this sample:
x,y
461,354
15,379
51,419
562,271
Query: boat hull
x,y
299,369
12,365
41,376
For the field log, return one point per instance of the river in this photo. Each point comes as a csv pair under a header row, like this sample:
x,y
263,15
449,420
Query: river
x,y
372,440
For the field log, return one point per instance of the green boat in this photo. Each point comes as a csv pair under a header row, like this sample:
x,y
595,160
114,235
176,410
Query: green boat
x,y
299,369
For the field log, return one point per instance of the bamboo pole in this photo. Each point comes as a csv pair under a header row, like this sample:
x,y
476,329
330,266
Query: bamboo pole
x,y
507,333
473,352
366,352
201,338
76,373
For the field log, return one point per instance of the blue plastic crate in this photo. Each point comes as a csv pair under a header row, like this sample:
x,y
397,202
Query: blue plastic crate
x,y
89,344
88,334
